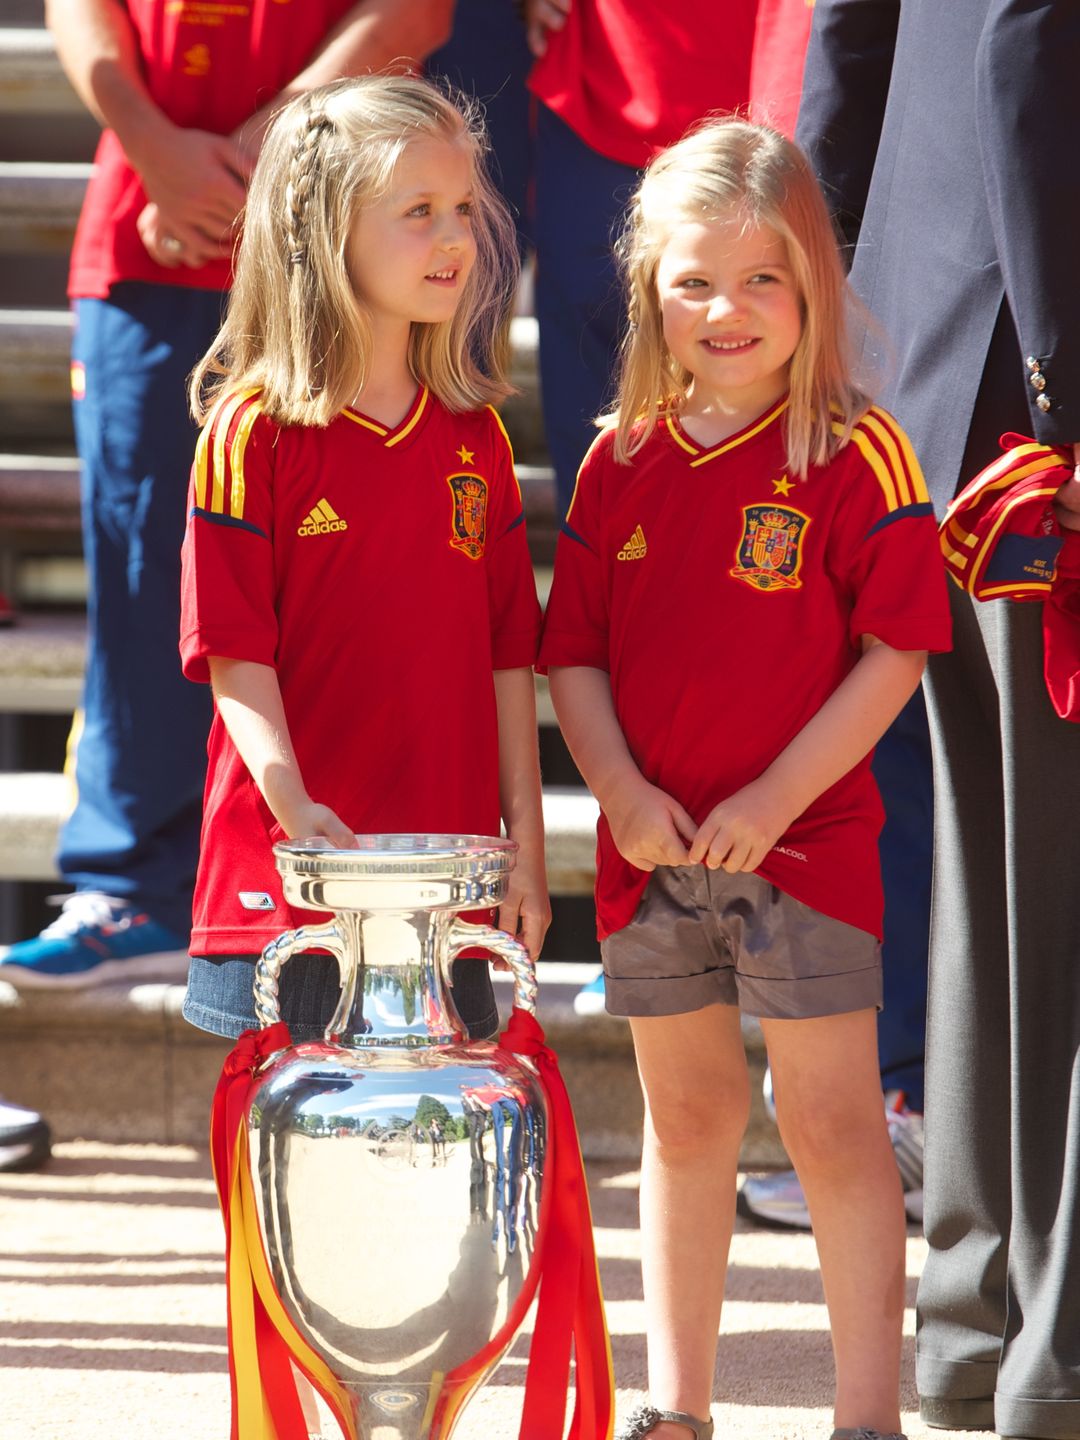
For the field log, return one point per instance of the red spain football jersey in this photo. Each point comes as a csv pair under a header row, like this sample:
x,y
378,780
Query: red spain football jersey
x,y
727,600
209,66
631,76
385,575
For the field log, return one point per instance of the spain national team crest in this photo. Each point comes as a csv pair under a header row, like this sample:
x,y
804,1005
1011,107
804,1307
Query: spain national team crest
x,y
770,552
469,520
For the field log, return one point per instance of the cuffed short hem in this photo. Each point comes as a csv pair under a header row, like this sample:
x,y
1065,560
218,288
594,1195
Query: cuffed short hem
x,y
812,996
671,995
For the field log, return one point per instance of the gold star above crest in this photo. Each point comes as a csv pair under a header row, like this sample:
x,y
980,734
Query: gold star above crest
x,y
465,456
782,486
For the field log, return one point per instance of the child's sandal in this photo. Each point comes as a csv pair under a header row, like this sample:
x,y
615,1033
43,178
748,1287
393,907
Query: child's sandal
x,y
645,1418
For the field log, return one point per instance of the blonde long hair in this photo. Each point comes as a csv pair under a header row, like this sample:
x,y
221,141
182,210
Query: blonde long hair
x,y
294,327
728,167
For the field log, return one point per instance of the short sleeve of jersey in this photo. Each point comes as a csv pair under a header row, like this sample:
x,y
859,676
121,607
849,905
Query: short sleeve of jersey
x,y
884,545
576,623
512,602
227,579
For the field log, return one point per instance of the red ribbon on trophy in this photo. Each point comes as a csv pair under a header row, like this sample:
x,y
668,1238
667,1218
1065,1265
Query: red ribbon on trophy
x,y
264,1346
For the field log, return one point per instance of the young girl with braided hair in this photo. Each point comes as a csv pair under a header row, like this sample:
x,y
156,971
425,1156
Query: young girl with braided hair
x,y
356,583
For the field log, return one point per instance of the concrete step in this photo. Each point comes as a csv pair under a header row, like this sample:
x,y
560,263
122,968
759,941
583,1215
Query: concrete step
x,y
35,351
120,1063
34,805
35,387
32,81
39,493
39,205
43,657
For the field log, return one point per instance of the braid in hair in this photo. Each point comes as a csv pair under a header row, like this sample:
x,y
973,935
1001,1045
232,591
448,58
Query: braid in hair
x,y
300,182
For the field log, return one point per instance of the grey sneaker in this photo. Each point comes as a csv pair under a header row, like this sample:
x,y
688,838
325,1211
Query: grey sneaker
x,y
778,1199
774,1200
906,1134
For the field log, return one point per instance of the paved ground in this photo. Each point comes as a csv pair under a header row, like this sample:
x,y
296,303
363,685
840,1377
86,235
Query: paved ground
x,y
112,1309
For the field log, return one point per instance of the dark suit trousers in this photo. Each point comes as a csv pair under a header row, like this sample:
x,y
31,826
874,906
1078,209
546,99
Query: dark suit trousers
x,y
999,1303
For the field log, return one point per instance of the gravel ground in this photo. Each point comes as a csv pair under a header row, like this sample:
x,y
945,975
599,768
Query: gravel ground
x,y
112,1310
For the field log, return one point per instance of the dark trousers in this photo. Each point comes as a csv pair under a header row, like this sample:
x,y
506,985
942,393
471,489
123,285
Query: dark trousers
x,y
999,1303
140,759
581,199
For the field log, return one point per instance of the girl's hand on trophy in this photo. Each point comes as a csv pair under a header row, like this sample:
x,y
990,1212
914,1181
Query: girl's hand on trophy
x,y
308,820
526,911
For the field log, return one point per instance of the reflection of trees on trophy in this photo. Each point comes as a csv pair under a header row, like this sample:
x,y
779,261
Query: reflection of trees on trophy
x,y
434,1115
402,981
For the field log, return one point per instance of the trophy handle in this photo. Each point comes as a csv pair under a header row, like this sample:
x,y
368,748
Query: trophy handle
x,y
463,935
268,967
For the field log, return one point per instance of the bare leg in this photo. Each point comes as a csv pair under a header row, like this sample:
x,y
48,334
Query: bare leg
x,y
831,1118
697,1100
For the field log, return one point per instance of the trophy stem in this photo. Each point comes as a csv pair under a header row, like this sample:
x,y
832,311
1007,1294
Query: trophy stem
x,y
404,998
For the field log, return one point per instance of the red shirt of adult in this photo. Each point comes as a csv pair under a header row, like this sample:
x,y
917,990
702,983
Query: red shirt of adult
x,y
631,76
208,66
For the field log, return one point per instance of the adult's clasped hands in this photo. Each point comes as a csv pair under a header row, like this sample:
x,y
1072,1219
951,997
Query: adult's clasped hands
x,y
196,185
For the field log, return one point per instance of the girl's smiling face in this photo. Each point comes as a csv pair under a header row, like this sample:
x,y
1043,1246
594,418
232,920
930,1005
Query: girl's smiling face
x,y
410,252
731,313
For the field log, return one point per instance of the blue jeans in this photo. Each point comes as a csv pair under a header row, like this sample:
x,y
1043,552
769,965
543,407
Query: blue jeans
x,y
903,773
581,198
488,59
140,761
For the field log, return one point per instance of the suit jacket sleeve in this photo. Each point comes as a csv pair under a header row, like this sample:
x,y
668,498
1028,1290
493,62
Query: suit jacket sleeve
x,y
845,87
1026,77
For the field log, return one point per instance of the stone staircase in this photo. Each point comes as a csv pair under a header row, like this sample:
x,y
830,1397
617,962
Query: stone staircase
x,y
119,1062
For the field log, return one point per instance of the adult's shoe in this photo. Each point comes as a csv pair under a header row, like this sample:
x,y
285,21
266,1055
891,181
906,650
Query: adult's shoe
x,y
95,938
24,1138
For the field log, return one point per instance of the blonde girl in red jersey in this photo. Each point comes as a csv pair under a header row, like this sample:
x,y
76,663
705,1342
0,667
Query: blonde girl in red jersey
x,y
357,587
745,591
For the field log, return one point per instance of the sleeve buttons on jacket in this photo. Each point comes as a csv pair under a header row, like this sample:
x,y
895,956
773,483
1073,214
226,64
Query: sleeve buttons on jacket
x,y
1037,381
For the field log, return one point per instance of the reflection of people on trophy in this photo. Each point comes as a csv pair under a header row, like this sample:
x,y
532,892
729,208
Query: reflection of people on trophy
x,y
511,1134
438,1141
476,1120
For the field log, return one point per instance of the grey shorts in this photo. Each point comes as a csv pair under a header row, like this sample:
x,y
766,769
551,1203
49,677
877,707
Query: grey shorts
x,y
703,937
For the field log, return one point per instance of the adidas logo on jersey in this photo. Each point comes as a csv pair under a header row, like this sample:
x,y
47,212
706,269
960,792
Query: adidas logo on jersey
x,y
635,548
323,520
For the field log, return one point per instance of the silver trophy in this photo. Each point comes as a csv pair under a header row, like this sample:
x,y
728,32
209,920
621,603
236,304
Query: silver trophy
x,y
397,1166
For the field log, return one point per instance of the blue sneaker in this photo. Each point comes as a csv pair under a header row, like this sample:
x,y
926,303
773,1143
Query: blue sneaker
x,y
590,998
94,939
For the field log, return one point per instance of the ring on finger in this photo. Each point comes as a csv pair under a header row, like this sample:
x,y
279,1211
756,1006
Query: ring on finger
x,y
172,244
